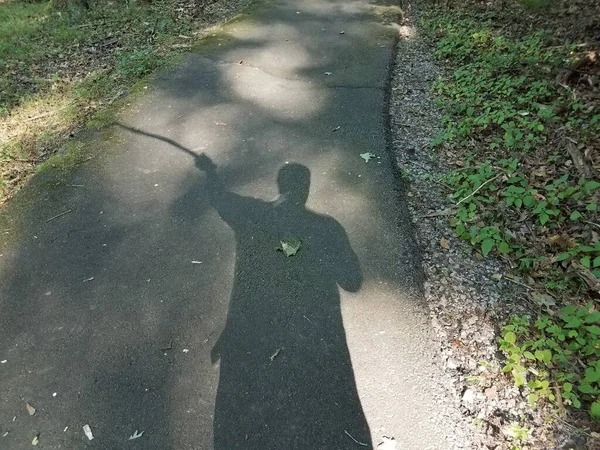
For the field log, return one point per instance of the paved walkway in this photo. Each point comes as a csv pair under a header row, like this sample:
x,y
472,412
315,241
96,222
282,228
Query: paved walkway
x,y
160,303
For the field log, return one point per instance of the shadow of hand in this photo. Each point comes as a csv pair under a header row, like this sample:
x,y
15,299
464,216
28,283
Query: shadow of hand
x,y
204,163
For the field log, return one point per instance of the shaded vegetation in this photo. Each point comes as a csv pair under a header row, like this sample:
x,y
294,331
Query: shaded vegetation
x,y
521,124
62,63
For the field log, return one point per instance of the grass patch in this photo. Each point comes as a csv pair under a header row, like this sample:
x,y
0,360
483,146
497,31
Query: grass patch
x,y
59,68
71,155
521,125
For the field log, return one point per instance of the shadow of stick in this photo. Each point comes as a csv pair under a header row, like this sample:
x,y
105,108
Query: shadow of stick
x,y
160,138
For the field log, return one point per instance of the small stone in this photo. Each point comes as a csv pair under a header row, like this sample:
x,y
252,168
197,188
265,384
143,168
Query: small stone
x,y
452,364
469,396
491,393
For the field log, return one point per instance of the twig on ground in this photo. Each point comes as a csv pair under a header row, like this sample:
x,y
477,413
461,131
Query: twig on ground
x,y
592,223
477,190
39,116
59,215
580,163
358,442
512,280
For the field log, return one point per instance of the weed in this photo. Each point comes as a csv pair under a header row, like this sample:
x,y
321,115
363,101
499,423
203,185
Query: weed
x,y
557,356
517,196
519,435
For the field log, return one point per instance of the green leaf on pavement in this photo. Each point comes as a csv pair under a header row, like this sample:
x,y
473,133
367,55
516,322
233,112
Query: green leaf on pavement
x,y
367,156
290,246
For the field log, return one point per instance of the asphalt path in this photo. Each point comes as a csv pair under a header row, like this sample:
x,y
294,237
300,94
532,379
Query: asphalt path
x,y
160,301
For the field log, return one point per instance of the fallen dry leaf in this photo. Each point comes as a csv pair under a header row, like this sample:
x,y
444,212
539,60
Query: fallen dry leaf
x,y
444,243
88,432
274,355
30,409
368,156
135,435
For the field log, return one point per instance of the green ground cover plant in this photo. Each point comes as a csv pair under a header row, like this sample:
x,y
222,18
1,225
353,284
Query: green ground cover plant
x,y
63,62
521,126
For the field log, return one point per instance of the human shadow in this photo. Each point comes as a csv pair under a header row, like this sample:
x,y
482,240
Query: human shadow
x,y
286,378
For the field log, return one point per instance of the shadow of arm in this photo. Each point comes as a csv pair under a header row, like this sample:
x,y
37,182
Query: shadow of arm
x,y
232,208
347,269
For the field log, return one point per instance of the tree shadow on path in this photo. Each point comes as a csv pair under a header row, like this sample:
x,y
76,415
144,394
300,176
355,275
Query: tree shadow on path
x,y
286,378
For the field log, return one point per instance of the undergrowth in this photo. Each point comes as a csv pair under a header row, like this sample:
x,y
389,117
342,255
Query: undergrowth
x,y
521,125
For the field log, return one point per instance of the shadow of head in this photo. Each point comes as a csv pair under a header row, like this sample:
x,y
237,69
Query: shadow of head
x,y
293,182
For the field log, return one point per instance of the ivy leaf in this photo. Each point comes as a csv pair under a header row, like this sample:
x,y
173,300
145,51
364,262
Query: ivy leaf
x,y
586,389
543,355
573,322
368,156
585,262
529,201
290,246
575,215
593,317
486,246
595,410
593,329
592,375
510,337
528,355
503,247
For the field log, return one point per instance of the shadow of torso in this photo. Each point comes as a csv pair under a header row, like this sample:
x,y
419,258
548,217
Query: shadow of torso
x,y
286,379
